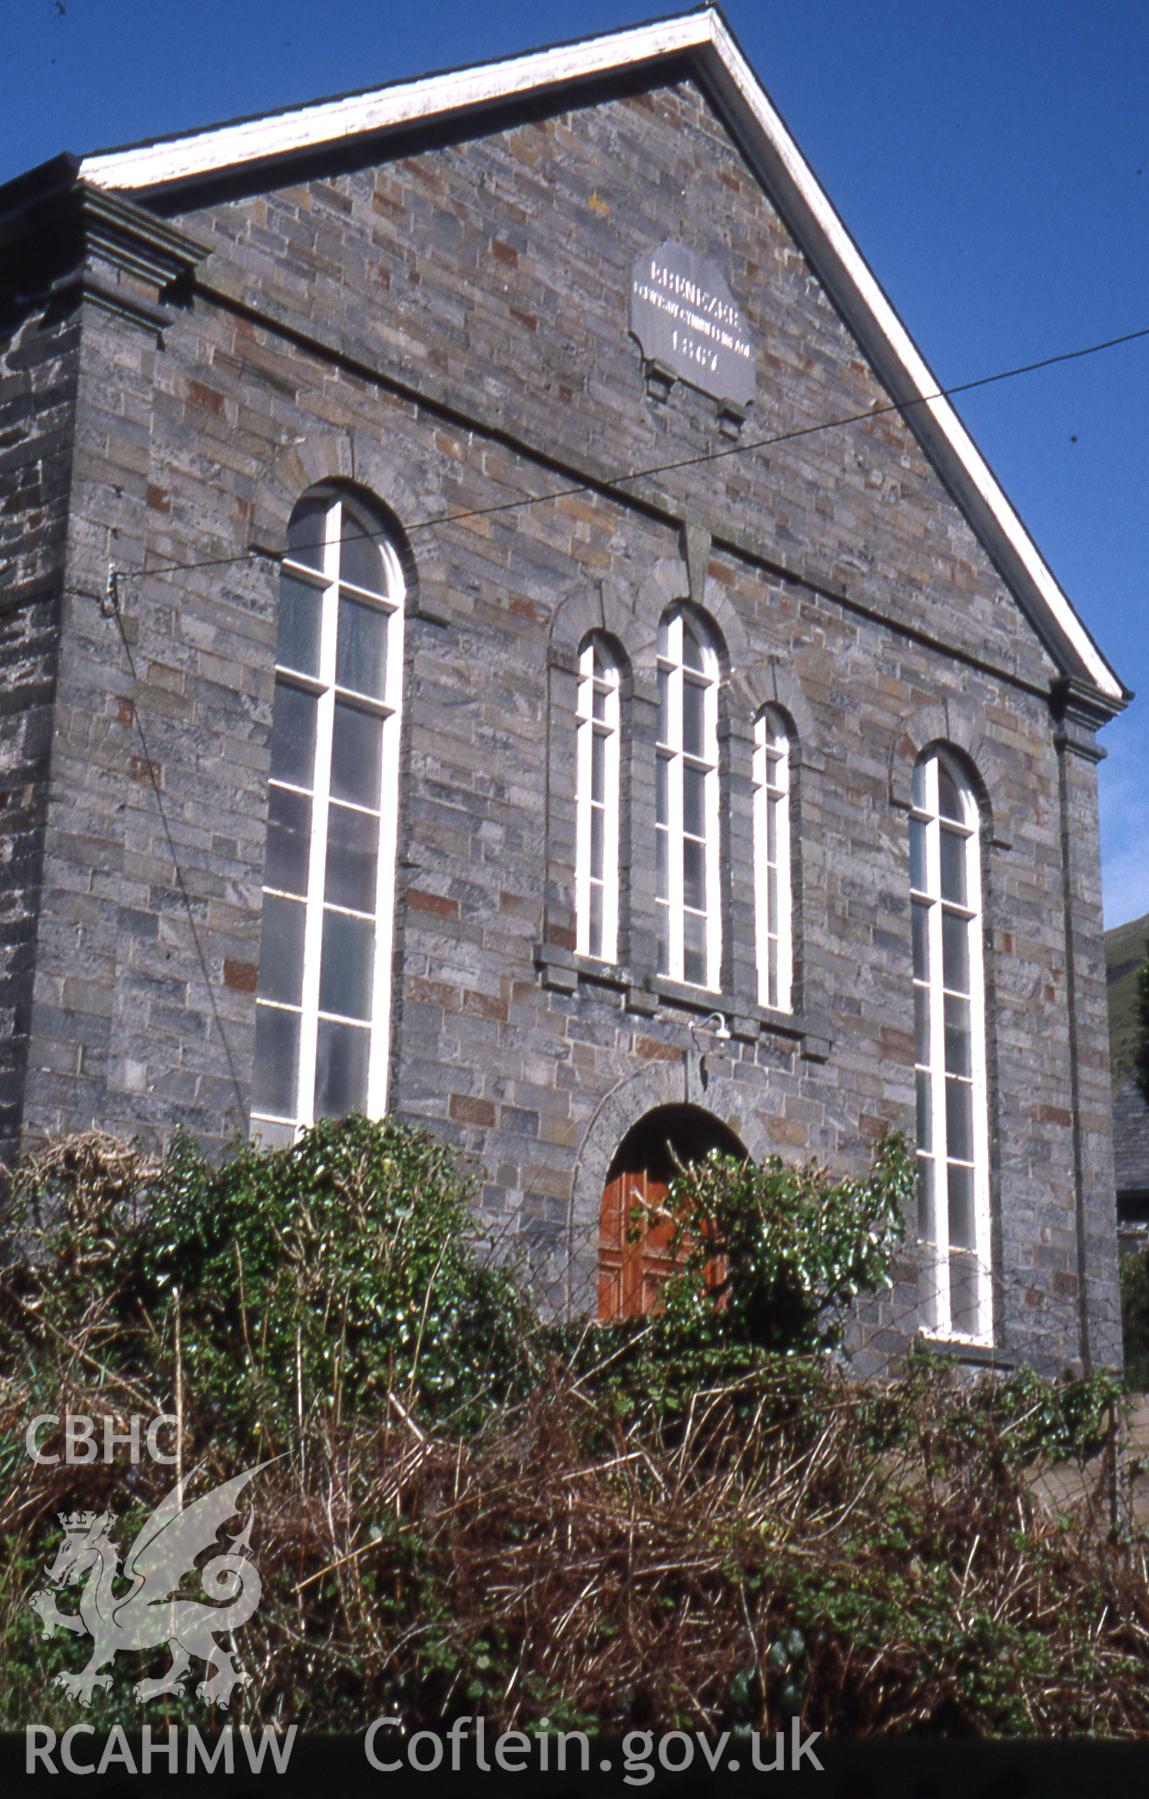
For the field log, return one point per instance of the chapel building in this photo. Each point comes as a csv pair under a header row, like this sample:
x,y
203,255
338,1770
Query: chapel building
x,y
499,628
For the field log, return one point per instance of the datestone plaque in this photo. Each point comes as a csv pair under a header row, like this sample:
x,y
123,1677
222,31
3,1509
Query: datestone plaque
x,y
686,319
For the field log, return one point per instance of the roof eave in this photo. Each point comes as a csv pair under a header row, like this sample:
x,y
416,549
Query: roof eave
x,y
786,175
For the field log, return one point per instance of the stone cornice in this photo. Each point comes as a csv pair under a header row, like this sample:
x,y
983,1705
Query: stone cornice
x,y
60,235
134,240
1079,711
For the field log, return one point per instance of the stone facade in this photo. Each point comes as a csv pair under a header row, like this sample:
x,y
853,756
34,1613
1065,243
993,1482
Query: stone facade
x,y
438,321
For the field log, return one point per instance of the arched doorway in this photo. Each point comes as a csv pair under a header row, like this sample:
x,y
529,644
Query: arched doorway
x,y
634,1252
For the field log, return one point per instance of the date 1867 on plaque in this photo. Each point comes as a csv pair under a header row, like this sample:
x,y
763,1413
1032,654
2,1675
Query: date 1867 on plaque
x,y
689,325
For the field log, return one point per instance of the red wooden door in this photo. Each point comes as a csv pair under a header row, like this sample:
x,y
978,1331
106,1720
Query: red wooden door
x,y
634,1254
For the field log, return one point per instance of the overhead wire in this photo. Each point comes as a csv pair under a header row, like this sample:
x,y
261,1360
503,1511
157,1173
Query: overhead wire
x,y
607,481
201,957
571,490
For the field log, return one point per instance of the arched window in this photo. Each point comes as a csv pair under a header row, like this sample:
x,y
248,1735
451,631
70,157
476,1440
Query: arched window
x,y
596,858
688,891
772,877
949,1016
322,1012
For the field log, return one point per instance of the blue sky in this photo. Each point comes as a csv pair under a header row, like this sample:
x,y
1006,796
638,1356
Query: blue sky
x,y
992,160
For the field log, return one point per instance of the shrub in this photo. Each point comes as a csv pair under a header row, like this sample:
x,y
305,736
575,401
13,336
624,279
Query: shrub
x,y
792,1248
314,1277
1134,1271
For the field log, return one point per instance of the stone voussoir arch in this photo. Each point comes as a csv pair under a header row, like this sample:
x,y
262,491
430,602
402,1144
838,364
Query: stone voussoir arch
x,y
959,723
589,607
628,1103
773,683
666,583
352,459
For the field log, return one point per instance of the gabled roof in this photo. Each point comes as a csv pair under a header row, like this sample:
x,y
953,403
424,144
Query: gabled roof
x,y
1131,1141
704,41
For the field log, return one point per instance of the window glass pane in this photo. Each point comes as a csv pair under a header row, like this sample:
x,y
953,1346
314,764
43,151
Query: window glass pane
x,y
276,1068
293,736
597,840
360,560
922,1025
694,936
963,1294
772,972
664,705
950,803
662,791
352,859
772,896
959,1119
340,1069
663,917
953,867
595,920
927,1201
281,950
288,840
305,533
918,855
346,971
356,756
955,952
694,800
692,652
693,874
925,1120
959,1047
299,614
693,719
921,940
919,789
960,1183
361,647
598,767
601,701
772,830
661,852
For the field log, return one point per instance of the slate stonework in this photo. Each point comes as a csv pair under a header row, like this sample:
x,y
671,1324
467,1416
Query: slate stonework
x,y
443,325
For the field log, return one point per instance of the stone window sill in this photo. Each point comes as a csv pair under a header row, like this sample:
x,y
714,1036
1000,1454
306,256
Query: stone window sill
x,y
970,1355
564,972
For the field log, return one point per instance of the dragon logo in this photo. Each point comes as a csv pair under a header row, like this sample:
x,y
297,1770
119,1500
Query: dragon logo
x,y
152,1610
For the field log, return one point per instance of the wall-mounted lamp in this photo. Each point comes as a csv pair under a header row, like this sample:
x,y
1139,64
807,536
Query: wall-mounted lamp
x,y
712,1035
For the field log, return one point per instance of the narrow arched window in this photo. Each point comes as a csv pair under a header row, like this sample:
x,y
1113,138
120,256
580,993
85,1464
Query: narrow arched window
x,y
596,857
773,885
322,1012
687,811
949,1014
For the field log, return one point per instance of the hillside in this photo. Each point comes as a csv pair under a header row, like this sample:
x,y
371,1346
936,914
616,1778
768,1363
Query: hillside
x,y
1125,948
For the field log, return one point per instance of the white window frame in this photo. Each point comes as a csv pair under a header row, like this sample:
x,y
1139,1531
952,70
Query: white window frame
x,y
773,924
673,678
599,721
326,580
942,1259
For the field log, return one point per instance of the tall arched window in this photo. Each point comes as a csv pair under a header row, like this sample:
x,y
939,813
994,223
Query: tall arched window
x,y
687,812
949,1015
322,1011
772,878
596,856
